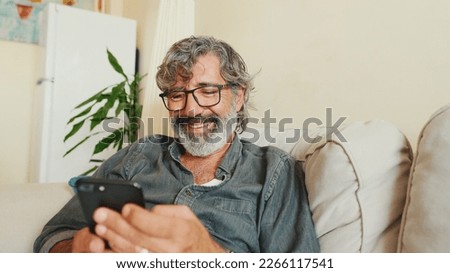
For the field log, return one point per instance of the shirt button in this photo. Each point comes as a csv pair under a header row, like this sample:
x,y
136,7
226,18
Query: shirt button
x,y
188,193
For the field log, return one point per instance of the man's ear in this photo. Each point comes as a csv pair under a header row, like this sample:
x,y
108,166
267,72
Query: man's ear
x,y
239,98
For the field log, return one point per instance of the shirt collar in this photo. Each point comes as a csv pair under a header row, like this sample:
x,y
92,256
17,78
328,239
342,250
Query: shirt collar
x,y
229,162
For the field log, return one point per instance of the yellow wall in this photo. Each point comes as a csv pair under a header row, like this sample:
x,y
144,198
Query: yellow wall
x,y
145,12
385,59
18,75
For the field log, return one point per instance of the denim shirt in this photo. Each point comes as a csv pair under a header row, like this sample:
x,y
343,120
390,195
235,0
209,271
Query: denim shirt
x,y
261,205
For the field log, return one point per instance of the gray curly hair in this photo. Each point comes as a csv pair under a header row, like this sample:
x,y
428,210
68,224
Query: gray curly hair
x,y
182,55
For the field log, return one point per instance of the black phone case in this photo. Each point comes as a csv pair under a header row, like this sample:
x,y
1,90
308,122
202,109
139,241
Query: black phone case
x,y
100,192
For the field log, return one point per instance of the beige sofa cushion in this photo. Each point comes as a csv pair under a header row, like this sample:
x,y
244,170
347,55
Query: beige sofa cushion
x,y
357,186
426,220
25,209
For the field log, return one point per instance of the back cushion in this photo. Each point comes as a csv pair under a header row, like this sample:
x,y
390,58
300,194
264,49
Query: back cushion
x,y
426,220
357,186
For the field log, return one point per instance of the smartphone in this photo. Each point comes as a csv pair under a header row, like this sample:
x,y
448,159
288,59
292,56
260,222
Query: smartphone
x,y
101,192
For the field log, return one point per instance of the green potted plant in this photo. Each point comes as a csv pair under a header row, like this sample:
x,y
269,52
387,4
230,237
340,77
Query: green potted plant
x,y
108,105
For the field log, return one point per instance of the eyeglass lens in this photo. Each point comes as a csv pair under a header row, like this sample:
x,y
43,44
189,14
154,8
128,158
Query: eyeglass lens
x,y
204,96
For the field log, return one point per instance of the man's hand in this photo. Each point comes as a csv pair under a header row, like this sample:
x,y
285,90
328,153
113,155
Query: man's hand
x,y
83,241
165,228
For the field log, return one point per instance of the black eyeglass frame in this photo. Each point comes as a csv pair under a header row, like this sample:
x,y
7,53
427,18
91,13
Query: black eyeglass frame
x,y
187,92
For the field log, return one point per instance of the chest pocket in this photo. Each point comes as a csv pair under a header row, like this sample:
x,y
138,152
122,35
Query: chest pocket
x,y
233,221
233,206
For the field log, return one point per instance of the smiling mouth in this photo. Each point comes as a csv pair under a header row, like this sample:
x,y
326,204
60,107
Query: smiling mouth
x,y
201,127
197,123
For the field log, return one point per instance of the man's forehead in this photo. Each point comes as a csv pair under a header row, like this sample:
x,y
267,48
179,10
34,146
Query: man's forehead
x,y
182,79
206,67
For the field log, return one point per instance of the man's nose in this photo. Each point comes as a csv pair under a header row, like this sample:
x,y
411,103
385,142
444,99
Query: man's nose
x,y
192,105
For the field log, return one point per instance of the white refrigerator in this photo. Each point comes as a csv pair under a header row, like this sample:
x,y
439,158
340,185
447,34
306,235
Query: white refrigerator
x,y
74,67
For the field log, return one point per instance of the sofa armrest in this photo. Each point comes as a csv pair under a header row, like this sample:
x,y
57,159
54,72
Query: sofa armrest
x,y
426,222
25,209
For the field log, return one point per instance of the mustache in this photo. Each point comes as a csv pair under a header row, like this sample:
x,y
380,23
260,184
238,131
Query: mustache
x,y
197,119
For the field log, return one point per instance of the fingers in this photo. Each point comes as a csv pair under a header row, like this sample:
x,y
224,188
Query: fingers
x,y
116,242
165,228
112,227
169,228
85,241
162,222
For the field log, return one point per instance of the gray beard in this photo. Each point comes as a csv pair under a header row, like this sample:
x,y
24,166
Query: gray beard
x,y
210,141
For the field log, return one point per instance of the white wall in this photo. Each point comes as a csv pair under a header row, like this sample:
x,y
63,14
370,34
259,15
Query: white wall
x,y
385,59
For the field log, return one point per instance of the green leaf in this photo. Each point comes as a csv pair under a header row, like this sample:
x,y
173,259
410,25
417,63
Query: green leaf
x,y
116,136
97,160
133,131
119,147
98,117
115,93
120,107
94,97
78,144
101,114
104,96
126,110
138,111
123,97
116,144
115,64
91,170
85,112
74,130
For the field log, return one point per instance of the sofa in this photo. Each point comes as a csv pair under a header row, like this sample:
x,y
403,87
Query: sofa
x,y
367,190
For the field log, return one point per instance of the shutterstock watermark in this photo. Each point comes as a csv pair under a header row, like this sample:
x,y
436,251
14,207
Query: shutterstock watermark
x,y
306,130
267,129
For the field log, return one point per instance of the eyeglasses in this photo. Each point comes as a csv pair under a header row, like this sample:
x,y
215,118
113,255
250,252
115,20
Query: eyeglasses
x,y
205,96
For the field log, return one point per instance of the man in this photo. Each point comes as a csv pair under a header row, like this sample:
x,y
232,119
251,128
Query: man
x,y
206,190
